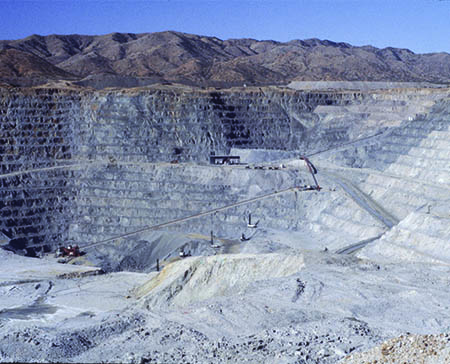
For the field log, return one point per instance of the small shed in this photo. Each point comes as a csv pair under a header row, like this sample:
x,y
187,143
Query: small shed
x,y
224,159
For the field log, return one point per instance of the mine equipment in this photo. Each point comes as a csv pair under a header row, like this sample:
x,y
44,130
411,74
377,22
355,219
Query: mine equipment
x,y
224,159
70,251
247,238
250,225
183,254
313,171
244,238
212,241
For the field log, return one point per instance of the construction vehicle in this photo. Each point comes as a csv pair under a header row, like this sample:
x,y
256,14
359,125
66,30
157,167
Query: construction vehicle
x,y
70,251
183,254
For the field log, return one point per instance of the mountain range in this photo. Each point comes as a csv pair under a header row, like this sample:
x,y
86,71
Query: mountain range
x,y
126,59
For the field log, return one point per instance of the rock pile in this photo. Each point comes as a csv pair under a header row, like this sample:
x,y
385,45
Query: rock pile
x,y
409,349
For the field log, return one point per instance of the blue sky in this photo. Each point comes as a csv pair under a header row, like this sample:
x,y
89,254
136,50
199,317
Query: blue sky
x,y
420,25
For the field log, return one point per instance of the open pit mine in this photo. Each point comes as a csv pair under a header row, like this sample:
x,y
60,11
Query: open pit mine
x,y
308,223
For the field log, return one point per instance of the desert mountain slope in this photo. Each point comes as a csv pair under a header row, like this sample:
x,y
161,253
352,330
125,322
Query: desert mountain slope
x,y
17,63
188,58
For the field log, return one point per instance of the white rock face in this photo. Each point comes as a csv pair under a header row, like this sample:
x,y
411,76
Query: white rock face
x,y
201,278
420,237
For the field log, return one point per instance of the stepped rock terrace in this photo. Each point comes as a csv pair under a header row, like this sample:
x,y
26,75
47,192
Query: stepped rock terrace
x,y
175,271
76,157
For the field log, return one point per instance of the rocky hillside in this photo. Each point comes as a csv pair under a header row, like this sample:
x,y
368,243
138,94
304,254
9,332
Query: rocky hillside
x,y
16,64
119,59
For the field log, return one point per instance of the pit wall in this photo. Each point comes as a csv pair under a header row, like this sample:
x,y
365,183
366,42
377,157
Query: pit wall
x,y
120,198
117,199
35,209
407,168
48,128
165,125
36,136
36,129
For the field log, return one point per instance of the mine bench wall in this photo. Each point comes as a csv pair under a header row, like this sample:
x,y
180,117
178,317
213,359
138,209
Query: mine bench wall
x,y
36,137
63,153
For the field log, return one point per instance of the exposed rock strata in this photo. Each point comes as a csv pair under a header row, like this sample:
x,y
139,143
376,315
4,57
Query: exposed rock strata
x,y
287,297
93,142
407,170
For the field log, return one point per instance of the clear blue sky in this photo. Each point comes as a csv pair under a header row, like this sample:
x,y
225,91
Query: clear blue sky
x,y
420,25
